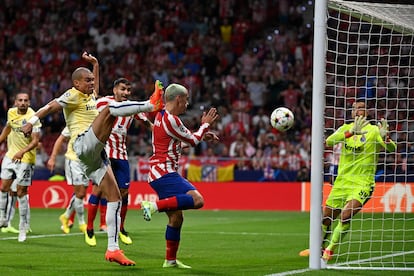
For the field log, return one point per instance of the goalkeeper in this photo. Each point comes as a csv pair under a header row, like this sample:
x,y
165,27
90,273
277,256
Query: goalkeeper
x,y
355,182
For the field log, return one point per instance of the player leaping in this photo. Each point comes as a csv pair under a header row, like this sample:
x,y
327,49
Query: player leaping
x,y
89,133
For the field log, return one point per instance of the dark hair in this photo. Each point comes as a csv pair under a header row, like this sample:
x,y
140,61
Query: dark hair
x,y
122,80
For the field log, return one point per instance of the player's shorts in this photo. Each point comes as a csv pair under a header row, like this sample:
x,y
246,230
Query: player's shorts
x,y
75,174
21,172
171,184
121,172
91,153
341,194
13,186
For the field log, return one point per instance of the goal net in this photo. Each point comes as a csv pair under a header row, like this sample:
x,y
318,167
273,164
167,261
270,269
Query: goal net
x,y
370,56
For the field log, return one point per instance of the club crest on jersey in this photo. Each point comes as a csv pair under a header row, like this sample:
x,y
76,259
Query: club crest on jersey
x,y
363,139
24,121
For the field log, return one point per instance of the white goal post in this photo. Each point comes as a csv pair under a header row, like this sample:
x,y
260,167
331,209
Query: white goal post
x,y
366,51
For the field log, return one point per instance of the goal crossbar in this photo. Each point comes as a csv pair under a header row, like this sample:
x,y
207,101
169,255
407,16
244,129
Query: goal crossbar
x,y
400,16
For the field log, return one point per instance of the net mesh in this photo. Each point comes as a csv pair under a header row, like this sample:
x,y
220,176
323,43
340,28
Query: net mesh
x,y
369,56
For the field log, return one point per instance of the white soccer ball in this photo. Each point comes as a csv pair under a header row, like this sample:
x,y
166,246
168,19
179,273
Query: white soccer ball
x,y
282,118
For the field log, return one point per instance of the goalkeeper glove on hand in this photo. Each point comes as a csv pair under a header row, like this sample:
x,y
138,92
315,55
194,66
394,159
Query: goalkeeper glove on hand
x,y
383,128
359,123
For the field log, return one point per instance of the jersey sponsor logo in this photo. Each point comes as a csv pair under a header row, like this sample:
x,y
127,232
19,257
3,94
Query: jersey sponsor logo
x,y
90,107
353,149
55,196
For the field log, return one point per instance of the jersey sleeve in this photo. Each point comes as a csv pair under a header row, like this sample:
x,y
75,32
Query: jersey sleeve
x,y
176,129
67,98
101,103
338,136
65,132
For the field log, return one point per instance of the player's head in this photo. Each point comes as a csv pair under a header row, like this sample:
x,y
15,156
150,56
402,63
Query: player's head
x,y
359,108
122,89
83,80
22,102
176,98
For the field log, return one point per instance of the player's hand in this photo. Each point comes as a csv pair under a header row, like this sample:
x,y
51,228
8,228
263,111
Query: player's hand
x,y
89,58
210,116
210,136
359,123
17,158
50,164
383,128
27,129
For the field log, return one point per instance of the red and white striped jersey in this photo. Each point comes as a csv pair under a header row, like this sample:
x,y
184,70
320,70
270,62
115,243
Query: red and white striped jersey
x,y
167,135
116,144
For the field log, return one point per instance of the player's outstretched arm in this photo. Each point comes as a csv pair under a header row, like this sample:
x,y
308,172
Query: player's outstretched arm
x,y
51,107
387,143
94,61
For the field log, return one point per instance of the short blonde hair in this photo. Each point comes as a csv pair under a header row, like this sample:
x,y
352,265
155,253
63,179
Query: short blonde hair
x,y
174,90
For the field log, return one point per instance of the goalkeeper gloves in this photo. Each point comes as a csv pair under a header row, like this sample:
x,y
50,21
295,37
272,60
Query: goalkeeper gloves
x,y
359,123
383,128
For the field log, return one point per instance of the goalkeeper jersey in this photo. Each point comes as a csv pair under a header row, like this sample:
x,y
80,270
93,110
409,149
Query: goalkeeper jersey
x,y
359,154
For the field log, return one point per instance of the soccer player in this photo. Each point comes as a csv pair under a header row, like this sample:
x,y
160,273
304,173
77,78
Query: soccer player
x,y
18,163
175,193
118,155
78,181
89,130
355,181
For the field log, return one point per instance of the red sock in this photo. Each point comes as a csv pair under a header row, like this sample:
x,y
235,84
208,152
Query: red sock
x,y
171,250
124,210
102,211
92,210
167,204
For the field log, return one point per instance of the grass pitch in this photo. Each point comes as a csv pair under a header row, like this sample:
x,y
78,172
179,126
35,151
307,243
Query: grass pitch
x,y
212,242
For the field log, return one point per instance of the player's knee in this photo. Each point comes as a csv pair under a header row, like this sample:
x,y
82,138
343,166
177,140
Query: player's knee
x,y
175,219
198,201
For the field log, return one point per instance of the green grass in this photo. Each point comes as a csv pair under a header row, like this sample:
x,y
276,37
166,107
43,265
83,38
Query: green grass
x,y
212,242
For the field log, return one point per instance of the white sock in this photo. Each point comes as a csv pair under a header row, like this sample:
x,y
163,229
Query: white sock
x,y
79,209
3,204
128,108
23,209
70,207
10,209
113,222
28,211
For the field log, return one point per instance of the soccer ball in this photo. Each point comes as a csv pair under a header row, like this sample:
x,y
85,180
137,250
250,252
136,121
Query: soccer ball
x,y
282,119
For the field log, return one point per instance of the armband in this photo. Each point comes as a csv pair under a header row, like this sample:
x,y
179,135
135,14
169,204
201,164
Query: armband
x,y
348,134
33,120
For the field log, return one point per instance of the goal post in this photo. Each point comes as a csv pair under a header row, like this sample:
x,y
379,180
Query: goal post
x,y
366,51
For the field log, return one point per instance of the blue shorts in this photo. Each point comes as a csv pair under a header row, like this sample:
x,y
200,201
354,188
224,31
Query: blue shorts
x,y
121,172
171,184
